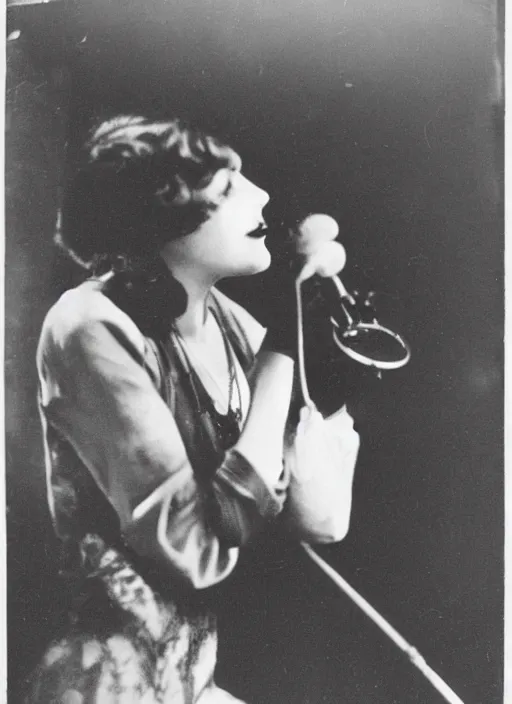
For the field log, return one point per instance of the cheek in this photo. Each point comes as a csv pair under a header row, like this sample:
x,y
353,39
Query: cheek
x,y
223,246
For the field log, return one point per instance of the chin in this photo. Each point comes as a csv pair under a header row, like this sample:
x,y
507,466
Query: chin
x,y
248,266
260,264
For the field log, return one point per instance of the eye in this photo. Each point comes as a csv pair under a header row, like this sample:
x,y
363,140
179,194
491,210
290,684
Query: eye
x,y
221,185
228,189
229,186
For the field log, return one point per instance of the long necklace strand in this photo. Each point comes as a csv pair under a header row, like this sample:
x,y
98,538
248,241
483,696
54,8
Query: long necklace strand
x,y
233,382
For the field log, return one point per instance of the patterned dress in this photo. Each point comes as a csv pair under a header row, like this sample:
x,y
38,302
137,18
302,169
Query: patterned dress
x,y
150,507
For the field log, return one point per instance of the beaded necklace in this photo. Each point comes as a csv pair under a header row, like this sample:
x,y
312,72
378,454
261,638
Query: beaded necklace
x,y
226,424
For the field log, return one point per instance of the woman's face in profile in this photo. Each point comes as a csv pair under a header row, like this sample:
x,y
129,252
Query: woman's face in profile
x,y
232,241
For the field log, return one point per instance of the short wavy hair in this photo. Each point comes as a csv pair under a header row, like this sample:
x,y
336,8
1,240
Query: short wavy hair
x,y
139,184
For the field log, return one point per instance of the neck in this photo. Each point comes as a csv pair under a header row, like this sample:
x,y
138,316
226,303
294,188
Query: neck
x,y
192,323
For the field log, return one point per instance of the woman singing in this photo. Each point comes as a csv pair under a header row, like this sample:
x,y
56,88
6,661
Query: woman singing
x,y
164,406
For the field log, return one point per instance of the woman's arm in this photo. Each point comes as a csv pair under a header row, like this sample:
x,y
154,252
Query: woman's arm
x,y
261,441
97,392
271,381
320,454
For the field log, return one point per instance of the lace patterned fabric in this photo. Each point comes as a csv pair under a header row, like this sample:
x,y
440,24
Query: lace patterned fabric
x,y
143,648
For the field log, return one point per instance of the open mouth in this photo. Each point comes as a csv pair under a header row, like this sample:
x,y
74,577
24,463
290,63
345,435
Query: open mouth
x,y
259,231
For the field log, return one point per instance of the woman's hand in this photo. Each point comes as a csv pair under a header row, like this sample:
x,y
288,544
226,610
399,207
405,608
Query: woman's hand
x,y
321,460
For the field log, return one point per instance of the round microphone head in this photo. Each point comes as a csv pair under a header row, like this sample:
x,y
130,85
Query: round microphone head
x,y
330,259
314,231
325,260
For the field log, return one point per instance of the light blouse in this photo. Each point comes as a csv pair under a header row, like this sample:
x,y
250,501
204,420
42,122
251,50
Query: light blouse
x,y
141,493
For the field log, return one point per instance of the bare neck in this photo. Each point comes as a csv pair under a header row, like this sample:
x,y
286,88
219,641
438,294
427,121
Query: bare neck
x,y
192,324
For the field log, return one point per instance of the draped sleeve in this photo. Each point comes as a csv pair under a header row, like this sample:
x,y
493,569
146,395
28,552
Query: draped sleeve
x,y
99,393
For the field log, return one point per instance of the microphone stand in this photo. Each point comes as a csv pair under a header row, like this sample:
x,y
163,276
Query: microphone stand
x,y
415,657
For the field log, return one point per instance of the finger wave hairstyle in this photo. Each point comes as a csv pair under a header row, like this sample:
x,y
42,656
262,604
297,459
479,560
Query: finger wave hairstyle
x,y
139,184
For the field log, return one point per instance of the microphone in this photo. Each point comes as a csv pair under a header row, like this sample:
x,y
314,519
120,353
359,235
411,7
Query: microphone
x,y
314,239
365,341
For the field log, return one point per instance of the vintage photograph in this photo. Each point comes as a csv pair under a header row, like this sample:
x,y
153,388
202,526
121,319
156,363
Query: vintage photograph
x,y
254,322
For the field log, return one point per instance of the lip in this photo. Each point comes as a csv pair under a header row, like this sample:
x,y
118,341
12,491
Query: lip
x,y
259,232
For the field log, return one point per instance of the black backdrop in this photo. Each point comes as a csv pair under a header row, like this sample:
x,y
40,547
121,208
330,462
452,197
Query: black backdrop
x,y
388,116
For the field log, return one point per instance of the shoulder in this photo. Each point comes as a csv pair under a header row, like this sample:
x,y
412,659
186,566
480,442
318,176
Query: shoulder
x,y
253,330
79,312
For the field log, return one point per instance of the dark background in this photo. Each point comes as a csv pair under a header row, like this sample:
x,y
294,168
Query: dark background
x,y
388,116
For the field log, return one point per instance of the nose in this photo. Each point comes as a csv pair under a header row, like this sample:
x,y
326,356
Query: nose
x,y
262,196
265,196
259,195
